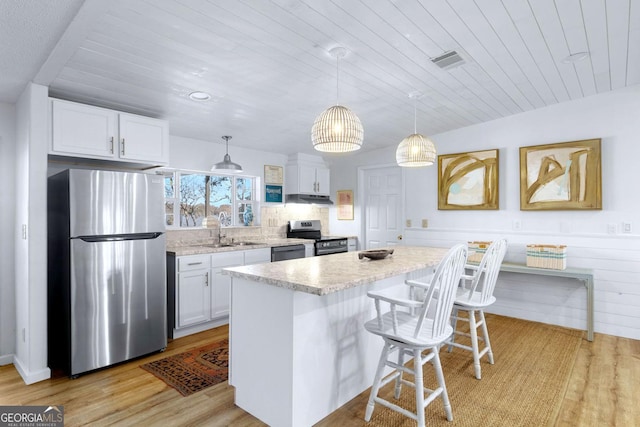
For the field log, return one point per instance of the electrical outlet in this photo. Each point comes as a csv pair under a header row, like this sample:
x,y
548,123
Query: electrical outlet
x,y
626,227
611,228
408,223
517,224
425,223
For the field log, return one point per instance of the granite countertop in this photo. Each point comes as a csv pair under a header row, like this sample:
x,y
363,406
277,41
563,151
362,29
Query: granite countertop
x,y
208,248
322,275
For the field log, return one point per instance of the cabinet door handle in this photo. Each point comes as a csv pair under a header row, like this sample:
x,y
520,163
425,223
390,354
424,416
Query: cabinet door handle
x,y
194,263
206,279
123,146
111,145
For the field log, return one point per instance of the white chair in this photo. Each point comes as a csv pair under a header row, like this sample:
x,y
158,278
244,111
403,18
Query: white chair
x,y
474,295
423,325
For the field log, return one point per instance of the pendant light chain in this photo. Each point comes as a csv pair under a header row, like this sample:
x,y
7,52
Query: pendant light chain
x,y
338,79
415,120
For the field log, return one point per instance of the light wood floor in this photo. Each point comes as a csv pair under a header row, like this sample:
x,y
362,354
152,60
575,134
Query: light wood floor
x,y
603,391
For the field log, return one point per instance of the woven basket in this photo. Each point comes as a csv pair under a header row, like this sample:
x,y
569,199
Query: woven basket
x,y
547,256
477,251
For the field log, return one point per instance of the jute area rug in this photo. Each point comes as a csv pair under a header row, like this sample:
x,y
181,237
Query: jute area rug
x,y
525,386
193,370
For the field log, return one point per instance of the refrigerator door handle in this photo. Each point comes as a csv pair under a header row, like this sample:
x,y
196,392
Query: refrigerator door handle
x,y
120,237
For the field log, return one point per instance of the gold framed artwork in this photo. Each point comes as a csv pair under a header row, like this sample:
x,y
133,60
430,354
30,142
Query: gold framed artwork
x,y
561,176
468,181
273,174
344,201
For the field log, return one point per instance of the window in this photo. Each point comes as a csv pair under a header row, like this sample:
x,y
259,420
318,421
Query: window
x,y
190,197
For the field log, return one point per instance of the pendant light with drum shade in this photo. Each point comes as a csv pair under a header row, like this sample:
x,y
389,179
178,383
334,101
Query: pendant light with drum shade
x,y
226,165
415,150
337,129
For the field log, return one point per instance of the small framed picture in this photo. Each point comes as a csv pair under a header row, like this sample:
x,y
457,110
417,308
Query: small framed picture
x,y
273,193
273,174
345,204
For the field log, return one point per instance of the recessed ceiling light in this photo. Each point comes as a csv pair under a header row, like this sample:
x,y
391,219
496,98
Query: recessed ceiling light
x,y
199,96
575,57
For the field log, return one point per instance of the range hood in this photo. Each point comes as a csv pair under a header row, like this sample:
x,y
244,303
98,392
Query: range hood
x,y
308,199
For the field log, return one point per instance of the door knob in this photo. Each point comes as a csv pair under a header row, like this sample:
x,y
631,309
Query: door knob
x,y
399,236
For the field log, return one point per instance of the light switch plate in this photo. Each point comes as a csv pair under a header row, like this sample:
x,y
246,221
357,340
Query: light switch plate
x,y
408,223
626,227
425,223
611,228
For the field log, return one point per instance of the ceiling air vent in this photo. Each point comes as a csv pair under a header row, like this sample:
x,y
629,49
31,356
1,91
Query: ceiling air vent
x,y
448,60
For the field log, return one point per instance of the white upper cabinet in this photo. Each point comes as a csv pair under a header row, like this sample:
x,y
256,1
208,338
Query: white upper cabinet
x,y
83,130
322,181
143,139
307,175
80,130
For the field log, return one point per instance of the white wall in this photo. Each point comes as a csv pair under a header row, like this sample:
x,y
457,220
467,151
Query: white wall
x,y
7,224
188,153
615,258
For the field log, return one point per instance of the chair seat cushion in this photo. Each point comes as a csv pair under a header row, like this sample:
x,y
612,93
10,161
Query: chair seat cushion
x,y
406,329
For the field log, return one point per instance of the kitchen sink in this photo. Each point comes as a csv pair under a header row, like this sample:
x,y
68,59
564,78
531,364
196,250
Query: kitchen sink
x,y
230,245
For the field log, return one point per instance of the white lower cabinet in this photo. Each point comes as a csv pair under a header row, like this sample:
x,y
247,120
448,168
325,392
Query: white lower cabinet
x,y
352,244
193,290
202,292
257,256
309,250
221,289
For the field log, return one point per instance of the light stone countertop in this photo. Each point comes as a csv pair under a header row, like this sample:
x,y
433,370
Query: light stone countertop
x,y
202,248
322,275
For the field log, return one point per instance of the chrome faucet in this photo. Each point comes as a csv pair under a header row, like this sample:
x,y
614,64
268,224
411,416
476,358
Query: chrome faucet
x,y
222,220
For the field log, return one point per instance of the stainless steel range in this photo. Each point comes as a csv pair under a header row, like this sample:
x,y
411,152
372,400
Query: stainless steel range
x,y
311,229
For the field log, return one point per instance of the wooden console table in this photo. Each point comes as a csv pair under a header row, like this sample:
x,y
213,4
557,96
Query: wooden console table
x,y
582,274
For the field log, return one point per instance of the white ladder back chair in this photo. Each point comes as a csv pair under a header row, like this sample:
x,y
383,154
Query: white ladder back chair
x,y
416,327
474,295
443,292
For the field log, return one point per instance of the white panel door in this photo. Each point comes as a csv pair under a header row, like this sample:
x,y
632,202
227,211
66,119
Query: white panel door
x,y
383,207
306,179
323,181
143,139
194,297
83,130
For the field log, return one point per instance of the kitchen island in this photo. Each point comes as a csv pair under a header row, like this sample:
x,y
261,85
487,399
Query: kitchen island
x,y
298,347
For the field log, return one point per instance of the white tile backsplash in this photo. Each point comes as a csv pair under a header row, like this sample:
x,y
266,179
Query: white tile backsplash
x,y
273,225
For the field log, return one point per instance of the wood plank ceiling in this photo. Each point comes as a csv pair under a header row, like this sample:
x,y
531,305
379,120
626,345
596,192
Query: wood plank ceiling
x,y
267,67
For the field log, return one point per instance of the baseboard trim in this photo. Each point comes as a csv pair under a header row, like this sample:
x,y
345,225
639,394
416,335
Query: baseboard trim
x,y
183,332
31,377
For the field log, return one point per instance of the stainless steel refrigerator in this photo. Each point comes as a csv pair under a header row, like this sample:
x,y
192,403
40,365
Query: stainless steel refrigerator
x,y
106,268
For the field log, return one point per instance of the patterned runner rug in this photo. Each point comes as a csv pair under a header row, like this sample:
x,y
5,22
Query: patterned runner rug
x,y
193,370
